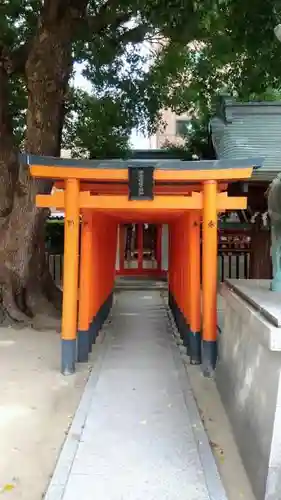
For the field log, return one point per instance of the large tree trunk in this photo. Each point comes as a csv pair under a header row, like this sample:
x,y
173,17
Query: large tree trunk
x,y
27,288
8,154
9,170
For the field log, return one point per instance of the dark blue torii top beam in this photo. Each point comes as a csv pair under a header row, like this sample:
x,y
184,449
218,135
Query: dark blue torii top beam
x,y
30,160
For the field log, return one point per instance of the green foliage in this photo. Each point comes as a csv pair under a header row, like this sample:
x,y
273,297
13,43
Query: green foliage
x,y
108,43
210,47
236,54
197,144
97,127
18,21
55,236
18,100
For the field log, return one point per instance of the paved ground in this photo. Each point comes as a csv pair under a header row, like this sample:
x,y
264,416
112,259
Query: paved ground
x,y
137,432
37,405
217,425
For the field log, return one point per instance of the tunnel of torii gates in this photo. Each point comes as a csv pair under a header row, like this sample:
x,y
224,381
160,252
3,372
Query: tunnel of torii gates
x,y
101,195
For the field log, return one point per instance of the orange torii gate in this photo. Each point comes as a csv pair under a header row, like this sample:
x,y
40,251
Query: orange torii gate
x,y
183,194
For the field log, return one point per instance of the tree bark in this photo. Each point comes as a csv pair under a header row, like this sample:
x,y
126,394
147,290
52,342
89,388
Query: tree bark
x,y
8,155
26,288
26,285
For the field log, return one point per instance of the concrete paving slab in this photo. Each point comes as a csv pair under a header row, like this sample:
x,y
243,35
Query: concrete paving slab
x,y
142,436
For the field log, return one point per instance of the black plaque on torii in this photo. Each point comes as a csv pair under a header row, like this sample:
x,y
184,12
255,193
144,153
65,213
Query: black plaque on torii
x,y
141,182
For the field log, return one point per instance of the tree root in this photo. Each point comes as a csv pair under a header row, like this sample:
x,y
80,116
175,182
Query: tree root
x,y
13,311
38,306
45,301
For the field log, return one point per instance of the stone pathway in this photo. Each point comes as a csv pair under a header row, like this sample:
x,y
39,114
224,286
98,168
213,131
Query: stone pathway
x,y
137,434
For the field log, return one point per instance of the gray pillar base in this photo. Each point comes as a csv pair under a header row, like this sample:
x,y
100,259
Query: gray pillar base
x,y
93,332
186,339
90,340
195,347
83,346
68,356
209,357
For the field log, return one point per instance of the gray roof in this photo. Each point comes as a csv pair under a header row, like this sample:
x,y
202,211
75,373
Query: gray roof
x,y
250,129
223,164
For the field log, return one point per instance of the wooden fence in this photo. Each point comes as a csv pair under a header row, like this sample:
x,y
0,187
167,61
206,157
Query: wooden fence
x,y
234,254
56,267
233,264
233,257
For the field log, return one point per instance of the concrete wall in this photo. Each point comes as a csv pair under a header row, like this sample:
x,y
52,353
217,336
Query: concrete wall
x,y
168,133
248,379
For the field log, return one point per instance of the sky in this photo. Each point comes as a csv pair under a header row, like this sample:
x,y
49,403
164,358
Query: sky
x,y
138,141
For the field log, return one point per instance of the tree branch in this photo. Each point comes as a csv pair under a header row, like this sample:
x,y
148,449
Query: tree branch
x,y
135,35
54,11
103,20
110,6
108,16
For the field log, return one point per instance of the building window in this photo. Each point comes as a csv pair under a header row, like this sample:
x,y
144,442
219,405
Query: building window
x,y
183,127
